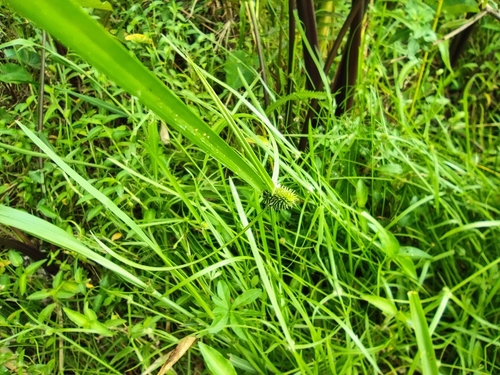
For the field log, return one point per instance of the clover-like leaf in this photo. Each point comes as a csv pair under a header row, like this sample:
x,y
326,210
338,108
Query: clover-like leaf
x,y
246,298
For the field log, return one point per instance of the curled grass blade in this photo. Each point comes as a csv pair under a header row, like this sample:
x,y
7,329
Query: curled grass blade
x,y
466,227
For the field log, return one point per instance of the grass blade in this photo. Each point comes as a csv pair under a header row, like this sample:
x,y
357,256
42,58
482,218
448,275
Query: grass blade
x,y
106,202
262,269
66,21
424,341
216,362
57,236
476,225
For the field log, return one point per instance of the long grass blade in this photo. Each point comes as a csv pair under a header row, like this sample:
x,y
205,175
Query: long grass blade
x,y
66,21
106,202
57,236
424,341
262,269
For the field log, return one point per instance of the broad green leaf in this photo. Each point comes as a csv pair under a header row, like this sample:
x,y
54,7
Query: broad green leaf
x,y
4,187
63,294
219,323
217,364
242,364
13,73
46,211
23,55
67,22
57,280
46,312
36,176
361,193
100,329
41,294
460,6
444,51
239,60
96,4
220,303
406,220
89,313
149,215
85,322
70,286
220,310
237,325
407,266
5,282
387,306
223,292
111,323
388,242
23,281
79,319
15,258
34,266
391,169
413,252
93,212
477,354
247,297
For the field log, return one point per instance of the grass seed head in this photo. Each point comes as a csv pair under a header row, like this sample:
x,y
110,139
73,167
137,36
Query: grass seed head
x,y
282,198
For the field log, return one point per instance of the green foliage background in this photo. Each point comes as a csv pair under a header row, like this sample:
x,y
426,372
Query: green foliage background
x,y
389,262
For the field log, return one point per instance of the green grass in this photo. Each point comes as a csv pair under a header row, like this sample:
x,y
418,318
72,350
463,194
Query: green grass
x,y
388,262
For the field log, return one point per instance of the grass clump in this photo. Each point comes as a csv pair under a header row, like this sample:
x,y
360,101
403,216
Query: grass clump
x,y
374,251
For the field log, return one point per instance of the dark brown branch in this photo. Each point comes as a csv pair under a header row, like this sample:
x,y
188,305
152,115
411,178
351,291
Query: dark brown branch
x,y
331,56
30,251
305,10
336,45
291,49
347,74
459,42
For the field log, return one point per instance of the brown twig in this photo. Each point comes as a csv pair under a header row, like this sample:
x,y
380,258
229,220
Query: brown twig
x,y
356,14
41,93
347,73
305,10
291,49
30,251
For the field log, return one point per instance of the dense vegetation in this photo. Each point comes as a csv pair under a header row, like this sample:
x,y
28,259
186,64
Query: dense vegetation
x,y
382,259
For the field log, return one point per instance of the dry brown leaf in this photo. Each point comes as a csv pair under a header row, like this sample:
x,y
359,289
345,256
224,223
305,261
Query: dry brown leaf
x,y
10,361
164,135
176,354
